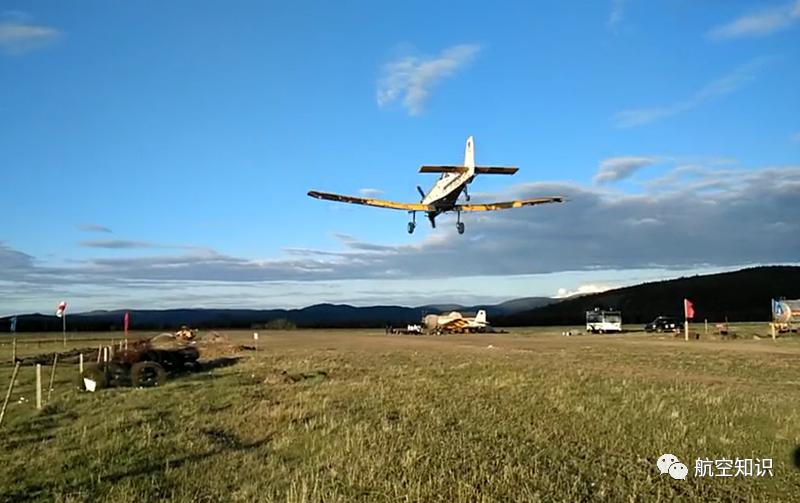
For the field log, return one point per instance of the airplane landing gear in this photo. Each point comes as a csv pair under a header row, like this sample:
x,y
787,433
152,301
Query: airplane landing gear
x,y
413,223
411,226
460,224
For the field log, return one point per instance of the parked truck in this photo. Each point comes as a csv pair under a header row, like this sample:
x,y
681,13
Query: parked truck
x,y
599,321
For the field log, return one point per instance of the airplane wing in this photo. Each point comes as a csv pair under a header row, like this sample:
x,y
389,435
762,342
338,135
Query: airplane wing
x,y
380,203
457,323
483,170
505,205
496,170
442,169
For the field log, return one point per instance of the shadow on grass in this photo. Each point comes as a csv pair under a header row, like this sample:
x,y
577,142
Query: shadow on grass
x,y
39,428
226,442
204,366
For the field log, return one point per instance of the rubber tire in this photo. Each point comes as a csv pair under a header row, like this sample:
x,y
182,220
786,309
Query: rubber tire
x,y
140,372
116,374
460,227
411,227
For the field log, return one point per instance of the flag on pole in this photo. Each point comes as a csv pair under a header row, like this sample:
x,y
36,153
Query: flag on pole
x,y
14,324
688,309
62,307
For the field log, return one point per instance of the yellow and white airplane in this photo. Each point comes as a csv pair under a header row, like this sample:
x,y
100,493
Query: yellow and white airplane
x,y
443,196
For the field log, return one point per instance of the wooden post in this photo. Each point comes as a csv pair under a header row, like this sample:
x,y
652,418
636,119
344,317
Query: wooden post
x,y
14,350
686,328
773,330
38,385
8,393
706,322
80,363
52,377
99,352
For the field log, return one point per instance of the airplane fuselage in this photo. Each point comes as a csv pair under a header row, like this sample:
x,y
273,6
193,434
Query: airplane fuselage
x,y
448,188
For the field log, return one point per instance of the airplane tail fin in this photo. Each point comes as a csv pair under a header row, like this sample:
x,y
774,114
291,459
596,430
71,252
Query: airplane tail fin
x,y
469,154
480,317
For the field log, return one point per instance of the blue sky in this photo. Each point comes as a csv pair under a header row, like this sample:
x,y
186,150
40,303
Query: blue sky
x,y
150,149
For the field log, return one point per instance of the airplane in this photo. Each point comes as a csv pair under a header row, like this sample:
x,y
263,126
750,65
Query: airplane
x,y
455,322
443,196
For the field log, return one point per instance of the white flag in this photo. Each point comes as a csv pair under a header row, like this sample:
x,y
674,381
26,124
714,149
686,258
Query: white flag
x,y
62,307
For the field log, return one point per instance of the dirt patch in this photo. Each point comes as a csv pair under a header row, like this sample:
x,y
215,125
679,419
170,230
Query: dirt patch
x,y
70,356
217,345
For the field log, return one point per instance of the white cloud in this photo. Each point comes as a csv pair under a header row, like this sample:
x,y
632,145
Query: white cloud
x,y
582,290
126,244
759,23
710,208
95,228
715,89
617,13
18,35
618,168
117,244
370,192
412,78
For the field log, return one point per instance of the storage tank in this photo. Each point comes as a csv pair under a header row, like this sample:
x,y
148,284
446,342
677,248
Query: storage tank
x,y
786,311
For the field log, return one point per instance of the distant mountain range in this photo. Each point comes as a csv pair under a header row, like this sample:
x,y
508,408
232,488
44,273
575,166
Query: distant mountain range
x,y
738,296
316,316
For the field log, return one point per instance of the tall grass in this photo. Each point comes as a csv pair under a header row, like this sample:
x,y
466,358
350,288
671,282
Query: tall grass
x,y
527,416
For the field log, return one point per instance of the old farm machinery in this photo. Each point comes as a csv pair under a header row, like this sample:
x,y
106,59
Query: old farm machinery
x,y
144,363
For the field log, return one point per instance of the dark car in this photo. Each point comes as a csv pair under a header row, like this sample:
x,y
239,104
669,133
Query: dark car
x,y
663,324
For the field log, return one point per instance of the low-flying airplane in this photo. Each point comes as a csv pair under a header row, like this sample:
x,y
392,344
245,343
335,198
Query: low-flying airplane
x,y
443,196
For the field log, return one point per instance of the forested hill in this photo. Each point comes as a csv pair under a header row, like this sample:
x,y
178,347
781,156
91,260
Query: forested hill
x,y
740,296
316,316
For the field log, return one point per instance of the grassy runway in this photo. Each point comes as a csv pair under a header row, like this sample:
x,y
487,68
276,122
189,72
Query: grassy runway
x,y
525,416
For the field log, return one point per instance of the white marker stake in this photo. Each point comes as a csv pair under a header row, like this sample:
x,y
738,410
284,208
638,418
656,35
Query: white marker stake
x,y
255,338
52,377
686,327
80,363
38,385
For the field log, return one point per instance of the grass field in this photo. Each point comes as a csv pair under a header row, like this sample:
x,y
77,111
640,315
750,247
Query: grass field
x,y
525,416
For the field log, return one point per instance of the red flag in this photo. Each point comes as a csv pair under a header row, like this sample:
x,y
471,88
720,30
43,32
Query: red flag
x,y
62,307
688,309
127,322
